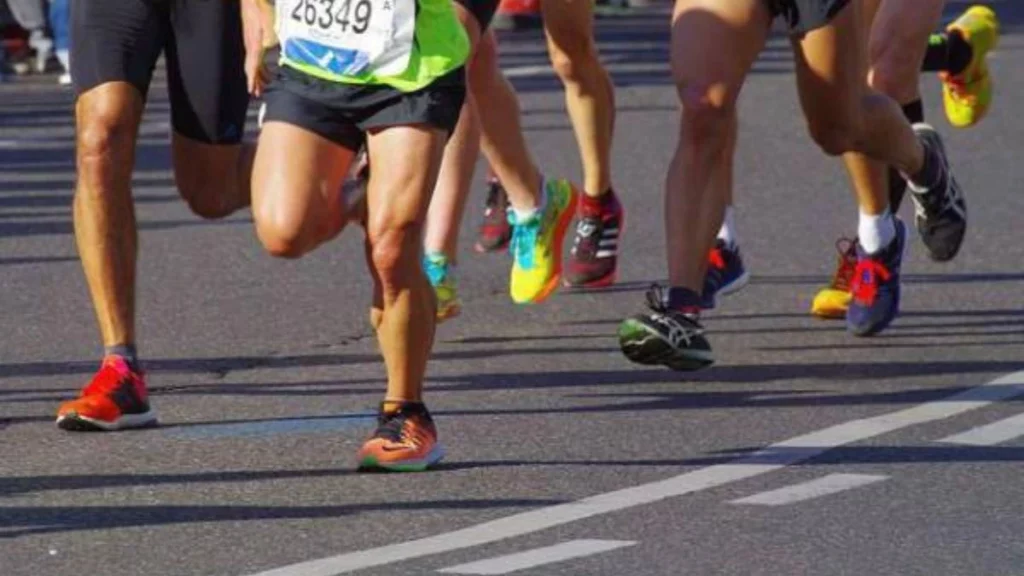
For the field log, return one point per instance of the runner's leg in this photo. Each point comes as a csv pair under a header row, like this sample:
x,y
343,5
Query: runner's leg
x,y
714,44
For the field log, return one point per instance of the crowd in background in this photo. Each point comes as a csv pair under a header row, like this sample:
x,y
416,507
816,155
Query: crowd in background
x,y
35,37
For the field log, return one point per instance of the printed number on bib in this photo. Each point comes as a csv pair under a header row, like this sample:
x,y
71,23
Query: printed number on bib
x,y
348,37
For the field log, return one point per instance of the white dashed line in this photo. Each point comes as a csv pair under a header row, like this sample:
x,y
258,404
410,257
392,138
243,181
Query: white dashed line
x,y
991,434
824,486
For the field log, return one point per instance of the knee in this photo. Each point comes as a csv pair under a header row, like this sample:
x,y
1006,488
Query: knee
x,y
282,235
203,192
208,176
106,134
395,254
836,133
708,114
574,58
892,73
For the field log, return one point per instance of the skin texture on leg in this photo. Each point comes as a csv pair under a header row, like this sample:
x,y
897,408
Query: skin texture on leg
x,y
589,92
897,34
107,122
714,44
843,113
457,168
501,130
296,183
404,305
214,179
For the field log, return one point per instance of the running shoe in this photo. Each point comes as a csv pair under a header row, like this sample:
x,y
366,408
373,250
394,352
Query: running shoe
x,y
670,337
441,274
968,95
832,301
593,261
405,441
876,286
495,231
536,244
115,399
941,210
726,273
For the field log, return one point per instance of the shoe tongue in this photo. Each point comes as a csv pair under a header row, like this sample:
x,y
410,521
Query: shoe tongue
x,y
117,363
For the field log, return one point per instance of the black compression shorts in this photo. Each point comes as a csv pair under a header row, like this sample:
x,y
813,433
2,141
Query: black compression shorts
x,y
121,41
482,10
343,113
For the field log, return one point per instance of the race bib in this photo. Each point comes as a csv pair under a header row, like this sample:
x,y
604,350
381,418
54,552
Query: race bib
x,y
348,37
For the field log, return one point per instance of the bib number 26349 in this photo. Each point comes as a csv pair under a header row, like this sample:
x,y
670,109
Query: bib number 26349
x,y
348,37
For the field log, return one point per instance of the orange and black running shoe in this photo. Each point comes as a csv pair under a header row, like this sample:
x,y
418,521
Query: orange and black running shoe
x,y
115,399
405,441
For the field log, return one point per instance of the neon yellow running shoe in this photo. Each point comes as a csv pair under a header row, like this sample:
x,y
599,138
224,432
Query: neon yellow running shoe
x,y
968,95
536,245
441,274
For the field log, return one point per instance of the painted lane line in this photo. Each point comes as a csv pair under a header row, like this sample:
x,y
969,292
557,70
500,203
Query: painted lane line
x,y
538,557
991,434
824,486
769,459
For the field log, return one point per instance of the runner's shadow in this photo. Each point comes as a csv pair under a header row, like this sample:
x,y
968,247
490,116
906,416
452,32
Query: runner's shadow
x,y
29,520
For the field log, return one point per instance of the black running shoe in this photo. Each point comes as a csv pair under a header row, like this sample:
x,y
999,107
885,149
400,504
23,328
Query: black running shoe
x,y
673,338
941,217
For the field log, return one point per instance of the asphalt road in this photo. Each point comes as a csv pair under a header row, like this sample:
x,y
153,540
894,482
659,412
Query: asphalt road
x,y
803,451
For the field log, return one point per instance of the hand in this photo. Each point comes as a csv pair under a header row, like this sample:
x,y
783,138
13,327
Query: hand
x,y
258,33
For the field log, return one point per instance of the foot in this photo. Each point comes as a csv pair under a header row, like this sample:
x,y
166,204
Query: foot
x,y
405,441
593,261
666,336
967,96
941,210
441,274
536,244
876,287
495,231
833,301
115,399
726,273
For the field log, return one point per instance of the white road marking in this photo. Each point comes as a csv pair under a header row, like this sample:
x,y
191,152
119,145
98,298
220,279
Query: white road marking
x,y
991,434
824,486
538,557
771,458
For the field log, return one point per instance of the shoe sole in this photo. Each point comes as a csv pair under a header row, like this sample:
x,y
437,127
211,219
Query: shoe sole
x,y
371,464
643,346
74,422
561,227
482,249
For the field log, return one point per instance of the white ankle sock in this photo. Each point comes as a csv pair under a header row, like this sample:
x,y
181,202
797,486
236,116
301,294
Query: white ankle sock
x,y
727,233
875,232
523,215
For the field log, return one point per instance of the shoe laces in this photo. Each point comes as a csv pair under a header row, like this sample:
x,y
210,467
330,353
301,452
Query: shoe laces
x,y
588,236
524,239
436,269
866,280
682,328
847,264
400,427
109,377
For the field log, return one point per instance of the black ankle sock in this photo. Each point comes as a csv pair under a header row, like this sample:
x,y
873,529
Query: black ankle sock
x,y
126,351
914,112
947,53
683,300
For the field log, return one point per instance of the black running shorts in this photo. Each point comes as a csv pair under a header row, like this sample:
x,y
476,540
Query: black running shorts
x,y
482,10
801,16
121,41
343,113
